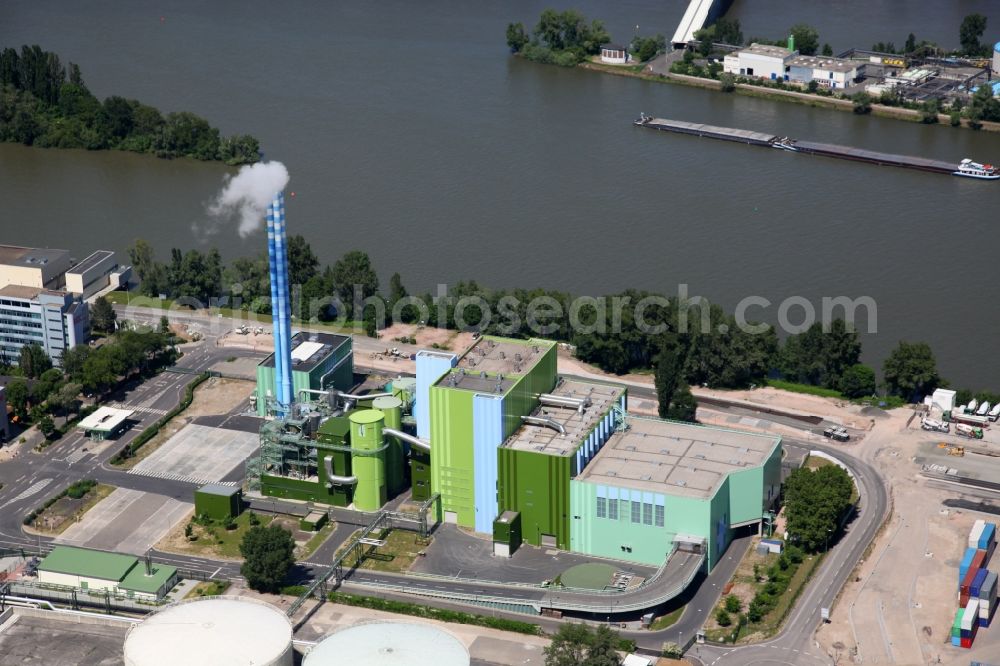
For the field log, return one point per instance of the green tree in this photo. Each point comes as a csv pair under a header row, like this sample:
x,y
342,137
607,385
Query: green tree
x,y
568,646
723,618
827,50
647,48
164,327
728,31
65,399
929,112
806,38
728,82
33,361
683,407
733,604
820,357
17,397
603,648
972,29
302,261
150,273
47,426
705,46
911,44
815,501
268,555
239,149
862,103
102,315
857,381
910,370
353,274
516,37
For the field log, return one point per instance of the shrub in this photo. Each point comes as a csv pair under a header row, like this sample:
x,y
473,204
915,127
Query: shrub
x,y
722,617
407,608
728,82
862,103
733,604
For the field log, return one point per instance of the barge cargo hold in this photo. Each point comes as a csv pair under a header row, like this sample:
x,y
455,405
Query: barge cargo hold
x,y
814,148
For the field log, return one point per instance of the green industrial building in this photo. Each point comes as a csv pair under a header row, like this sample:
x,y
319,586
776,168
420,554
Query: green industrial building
x,y
320,361
218,502
515,451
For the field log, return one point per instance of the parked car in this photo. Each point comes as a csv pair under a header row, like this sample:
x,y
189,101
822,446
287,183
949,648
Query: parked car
x,y
837,433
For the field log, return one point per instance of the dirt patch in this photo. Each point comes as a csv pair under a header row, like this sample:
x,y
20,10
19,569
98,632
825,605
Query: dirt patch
x,y
215,396
428,337
66,511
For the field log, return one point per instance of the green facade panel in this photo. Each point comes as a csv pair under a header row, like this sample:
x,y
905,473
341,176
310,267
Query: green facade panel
x,y
420,475
522,398
452,473
537,486
366,435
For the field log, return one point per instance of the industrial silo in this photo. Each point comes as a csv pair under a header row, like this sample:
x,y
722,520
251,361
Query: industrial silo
x,y
212,631
368,459
996,62
389,644
404,388
392,407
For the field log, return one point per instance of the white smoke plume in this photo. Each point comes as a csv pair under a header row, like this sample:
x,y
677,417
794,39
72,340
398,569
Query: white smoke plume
x,y
248,193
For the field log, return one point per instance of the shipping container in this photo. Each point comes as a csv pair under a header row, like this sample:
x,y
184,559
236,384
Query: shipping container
x,y
966,586
988,537
963,568
979,560
977,583
976,532
971,615
989,588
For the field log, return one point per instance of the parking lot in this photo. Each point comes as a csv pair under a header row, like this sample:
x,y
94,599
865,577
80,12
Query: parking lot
x,y
199,453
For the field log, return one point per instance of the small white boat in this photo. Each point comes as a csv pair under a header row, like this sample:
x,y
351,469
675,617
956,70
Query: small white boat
x,y
972,406
970,169
995,412
983,409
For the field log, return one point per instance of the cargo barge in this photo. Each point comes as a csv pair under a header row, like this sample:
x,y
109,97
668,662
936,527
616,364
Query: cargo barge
x,y
966,167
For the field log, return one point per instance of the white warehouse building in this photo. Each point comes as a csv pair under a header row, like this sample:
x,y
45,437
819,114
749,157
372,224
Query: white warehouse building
x,y
760,61
828,72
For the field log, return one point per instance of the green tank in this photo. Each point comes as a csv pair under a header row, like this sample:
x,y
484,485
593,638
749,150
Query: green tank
x,y
394,460
366,435
404,388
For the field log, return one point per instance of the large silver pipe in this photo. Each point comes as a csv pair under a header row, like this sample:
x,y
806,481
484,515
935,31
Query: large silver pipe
x,y
335,479
543,421
421,444
370,396
578,404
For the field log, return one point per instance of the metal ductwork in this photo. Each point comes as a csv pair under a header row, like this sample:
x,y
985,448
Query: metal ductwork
x,y
579,404
370,396
334,479
421,444
543,421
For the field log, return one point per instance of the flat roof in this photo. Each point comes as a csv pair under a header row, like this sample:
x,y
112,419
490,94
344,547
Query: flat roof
x,y
676,458
503,355
767,50
480,382
315,348
832,64
105,419
20,291
219,489
543,439
88,563
30,257
89,262
138,581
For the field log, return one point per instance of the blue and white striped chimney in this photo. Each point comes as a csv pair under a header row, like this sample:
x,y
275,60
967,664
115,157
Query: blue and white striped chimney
x,y
277,260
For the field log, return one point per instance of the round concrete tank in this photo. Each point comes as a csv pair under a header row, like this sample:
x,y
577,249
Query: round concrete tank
x,y
395,477
212,631
404,388
368,461
389,644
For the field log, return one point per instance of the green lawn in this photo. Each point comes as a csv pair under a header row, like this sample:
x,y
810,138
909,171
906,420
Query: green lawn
x,y
668,620
804,388
400,550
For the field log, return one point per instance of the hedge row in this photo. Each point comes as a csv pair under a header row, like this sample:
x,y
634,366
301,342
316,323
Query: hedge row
x,y
407,608
76,491
130,449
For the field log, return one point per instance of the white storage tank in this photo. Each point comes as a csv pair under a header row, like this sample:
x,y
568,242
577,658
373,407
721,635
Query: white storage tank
x,y
389,644
212,631
996,59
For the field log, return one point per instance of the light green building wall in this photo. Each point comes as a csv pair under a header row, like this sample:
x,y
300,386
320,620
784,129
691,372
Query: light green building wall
x,y
452,472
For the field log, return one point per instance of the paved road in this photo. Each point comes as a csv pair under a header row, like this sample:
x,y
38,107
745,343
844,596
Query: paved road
x,y
795,643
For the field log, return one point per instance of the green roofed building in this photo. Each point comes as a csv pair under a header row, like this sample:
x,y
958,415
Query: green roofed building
x,y
218,501
100,571
320,361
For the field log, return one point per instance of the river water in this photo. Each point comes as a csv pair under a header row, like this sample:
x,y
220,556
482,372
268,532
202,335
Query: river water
x,y
410,133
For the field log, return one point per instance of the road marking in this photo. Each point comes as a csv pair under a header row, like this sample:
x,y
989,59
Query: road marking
x,y
31,490
178,477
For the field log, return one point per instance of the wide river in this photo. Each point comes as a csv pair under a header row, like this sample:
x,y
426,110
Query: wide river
x,y
411,134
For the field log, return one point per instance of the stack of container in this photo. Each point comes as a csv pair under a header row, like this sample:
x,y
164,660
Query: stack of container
x,y
977,586
987,598
968,625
